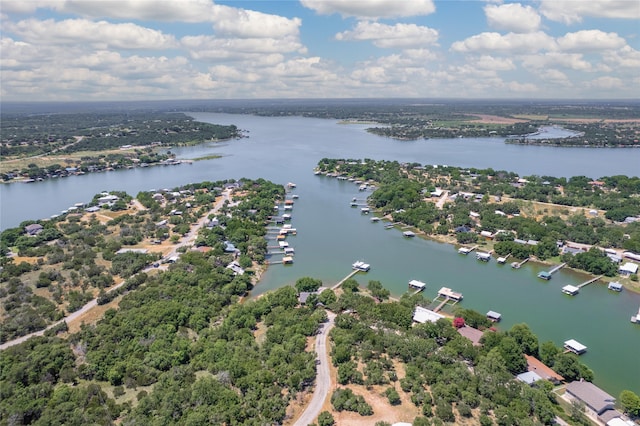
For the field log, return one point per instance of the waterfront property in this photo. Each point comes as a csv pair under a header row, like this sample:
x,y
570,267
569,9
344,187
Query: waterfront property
x,y
574,346
472,334
628,269
595,400
423,315
537,366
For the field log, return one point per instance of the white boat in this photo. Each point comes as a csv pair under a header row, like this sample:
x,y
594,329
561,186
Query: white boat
x,y
361,266
291,185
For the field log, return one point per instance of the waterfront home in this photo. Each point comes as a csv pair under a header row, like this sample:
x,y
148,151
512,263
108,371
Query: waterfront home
x,y
575,347
571,290
530,377
487,234
537,366
33,229
472,334
615,286
631,255
628,269
107,199
596,401
423,315
235,268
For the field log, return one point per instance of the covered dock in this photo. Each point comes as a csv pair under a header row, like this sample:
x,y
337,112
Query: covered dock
x,y
448,293
485,257
571,290
494,316
409,234
615,286
418,285
575,347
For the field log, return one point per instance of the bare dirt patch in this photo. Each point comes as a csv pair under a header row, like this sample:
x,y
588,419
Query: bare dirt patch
x,y
495,119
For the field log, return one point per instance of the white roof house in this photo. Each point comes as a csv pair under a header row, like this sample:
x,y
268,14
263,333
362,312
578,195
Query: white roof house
x,y
628,268
423,315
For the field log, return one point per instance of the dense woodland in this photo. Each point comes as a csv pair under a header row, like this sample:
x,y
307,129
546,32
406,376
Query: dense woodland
x,y
403,191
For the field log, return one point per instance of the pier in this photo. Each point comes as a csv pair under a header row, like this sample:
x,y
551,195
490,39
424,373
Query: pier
x,y
391,225
546,275
503,259
517,265
441,305
590,281
351,274
466,250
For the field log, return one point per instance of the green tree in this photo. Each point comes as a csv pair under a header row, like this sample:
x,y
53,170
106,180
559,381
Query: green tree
x,y
630,403
326,419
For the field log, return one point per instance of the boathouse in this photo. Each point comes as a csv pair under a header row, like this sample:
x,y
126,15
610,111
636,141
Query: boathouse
x,y
287,260
447,292
485,257
494,316
418,285
575,347
545,275
423,315
615,286
409,234
571,290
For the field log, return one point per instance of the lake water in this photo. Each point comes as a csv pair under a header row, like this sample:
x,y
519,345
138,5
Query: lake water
x,y
332,235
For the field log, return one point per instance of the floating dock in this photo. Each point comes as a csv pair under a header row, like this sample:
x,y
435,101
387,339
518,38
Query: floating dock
x,y
502,260
570,290
636,318
448,293
485,257
409,234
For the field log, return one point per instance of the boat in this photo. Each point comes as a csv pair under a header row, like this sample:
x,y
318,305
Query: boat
x,y
365,210
291,185
361,266
375,219
295,196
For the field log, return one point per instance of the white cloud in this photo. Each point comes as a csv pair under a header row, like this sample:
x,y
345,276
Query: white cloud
x,y
372,9
626,57
606,82
492,63
553,76
573,61
230,21
79,31
388,36
590,40
517,87
511,42
572,11
147,10
212,48
513,17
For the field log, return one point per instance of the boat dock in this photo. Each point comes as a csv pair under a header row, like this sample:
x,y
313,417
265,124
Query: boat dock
x,y
448,293
503,259
546,275
391,225
636,318
466,250
485,257
417,285
575,347
517,265
441,305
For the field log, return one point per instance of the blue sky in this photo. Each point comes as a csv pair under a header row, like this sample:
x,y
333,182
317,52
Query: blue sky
x,y
201,49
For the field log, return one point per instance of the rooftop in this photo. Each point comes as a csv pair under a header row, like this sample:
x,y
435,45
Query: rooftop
x,y
591,395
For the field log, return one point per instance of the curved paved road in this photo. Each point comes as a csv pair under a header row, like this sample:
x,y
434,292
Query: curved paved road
x,y
323,377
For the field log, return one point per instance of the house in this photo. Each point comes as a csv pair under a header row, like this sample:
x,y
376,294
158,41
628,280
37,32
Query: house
x,y
463,229
530,377
596,400
542,370
33,229
471,333
572,250
107,199
92,209
229,247
423,315
486,234
628,269
235,268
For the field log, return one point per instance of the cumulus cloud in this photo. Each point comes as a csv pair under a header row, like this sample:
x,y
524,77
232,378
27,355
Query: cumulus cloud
x,y
211,48
606,82
571,11
78,31
492,63
230,21
553,76
512,17
391,36
511,42
372,9
590,40
573,61
626,57
148,10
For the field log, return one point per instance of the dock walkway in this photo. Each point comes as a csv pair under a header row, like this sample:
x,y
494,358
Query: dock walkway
x,y
351,274
441,305
517,265
557,268
590,281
